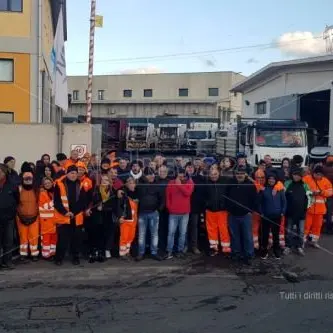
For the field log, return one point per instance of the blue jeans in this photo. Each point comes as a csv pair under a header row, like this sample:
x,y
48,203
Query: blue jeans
x,y
177,222
241,236
150,220
293,239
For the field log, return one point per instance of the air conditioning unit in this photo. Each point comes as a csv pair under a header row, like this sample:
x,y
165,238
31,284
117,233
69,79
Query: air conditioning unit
x,y
111,111
195,111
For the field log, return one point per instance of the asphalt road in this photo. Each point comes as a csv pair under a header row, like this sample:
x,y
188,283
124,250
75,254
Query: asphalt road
x,y
198,294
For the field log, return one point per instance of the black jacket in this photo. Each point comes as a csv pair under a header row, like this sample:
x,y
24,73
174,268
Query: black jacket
x,y
107,206
123,205
14,178
9,199
297,200
241,198
150,196
214,195
77,198
197,200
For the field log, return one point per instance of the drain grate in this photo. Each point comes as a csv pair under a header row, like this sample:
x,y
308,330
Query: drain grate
x,y
52,312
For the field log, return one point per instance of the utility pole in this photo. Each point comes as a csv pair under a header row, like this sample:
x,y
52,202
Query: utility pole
x,y
91,59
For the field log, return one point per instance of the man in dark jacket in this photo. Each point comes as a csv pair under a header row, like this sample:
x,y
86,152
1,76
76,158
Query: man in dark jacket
x,y
70,203
9,198
242,200
150,203
197,207
12,175
214,197
298,196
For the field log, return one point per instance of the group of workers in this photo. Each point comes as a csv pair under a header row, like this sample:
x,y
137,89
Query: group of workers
x,y
118,208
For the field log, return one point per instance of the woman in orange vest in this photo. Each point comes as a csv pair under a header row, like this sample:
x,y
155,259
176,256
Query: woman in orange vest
x,y
128,216
47,219
27,217
70,206
321,189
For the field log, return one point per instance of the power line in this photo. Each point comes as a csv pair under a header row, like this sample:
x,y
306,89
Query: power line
x,y
198,53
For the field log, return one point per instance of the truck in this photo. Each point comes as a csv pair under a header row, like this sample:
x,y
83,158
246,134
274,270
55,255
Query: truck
x,y
171,137
141,137
200,137
256,138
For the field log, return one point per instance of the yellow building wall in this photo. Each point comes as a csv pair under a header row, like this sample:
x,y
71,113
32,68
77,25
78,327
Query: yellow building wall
x,y
15,96
17,24
47,33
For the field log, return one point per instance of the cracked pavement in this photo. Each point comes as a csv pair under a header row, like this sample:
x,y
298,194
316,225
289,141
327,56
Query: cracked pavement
x,y
198,294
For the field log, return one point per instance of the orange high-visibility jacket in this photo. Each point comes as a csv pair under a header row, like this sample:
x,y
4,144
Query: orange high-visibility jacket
x,y
134,207
70,162
61,219
86,183
318,206
46,213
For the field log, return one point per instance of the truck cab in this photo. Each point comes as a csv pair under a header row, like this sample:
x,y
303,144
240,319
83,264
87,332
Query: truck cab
x,y
277,138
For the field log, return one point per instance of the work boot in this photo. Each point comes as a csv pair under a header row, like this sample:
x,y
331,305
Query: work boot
x,y
180,255
91,259
7,266
169,256
58,262
100,256
156,257
196,251
248,261
139,258
35,259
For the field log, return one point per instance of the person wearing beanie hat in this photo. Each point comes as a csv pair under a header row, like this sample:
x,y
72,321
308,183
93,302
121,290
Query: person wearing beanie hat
x,y
27,216
9,198
297,161
151,201
299,198
273,208
70,203
321,189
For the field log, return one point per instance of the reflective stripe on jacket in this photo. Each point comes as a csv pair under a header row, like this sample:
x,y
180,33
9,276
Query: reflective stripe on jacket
x,y
47,213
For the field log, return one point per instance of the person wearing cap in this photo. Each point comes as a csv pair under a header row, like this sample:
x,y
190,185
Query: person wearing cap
x,y
328,172
298,196
273,208
47,218
73,159
197,207
241,201
214,197
178,203
151,201
127,215
321,189
12,175
28,217
9,199
70,205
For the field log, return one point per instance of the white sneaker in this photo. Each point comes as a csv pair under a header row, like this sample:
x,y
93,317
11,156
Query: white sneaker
x,y
300,251
286,251
107,254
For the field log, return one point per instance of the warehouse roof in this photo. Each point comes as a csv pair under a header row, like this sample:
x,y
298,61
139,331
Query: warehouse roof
x,y
275,68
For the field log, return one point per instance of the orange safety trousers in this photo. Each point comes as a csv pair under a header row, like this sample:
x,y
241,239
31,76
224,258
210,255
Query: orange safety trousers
x,y
256,221
49,244
313,224
217,228
127,235
281,235
29,235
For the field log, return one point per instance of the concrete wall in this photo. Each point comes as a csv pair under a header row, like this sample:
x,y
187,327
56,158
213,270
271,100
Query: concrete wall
x,y
27,142
295,81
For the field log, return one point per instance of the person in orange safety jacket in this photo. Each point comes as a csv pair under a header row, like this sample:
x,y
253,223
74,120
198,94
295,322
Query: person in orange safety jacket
x,y
321,189
70,205
127,213
73,159
259,181
28,217
47,219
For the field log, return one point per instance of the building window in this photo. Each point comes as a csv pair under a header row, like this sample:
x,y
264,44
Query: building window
x,y
6,70
148,93
6,117
100,95
11,5
183,92
261,108
75,95
127,93
213,92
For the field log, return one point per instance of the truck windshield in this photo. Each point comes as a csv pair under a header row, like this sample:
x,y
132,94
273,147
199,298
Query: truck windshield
x,y
197,135
280,138
137,133
167,133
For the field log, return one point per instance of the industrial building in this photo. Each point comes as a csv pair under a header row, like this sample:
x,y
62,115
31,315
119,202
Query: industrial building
x,y
27,31
296,89
158,96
